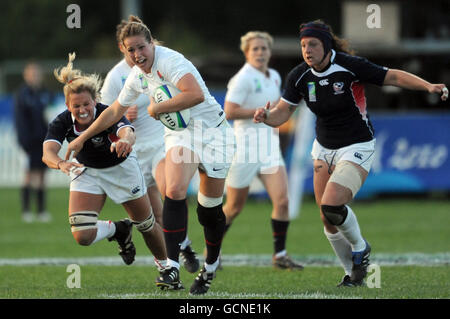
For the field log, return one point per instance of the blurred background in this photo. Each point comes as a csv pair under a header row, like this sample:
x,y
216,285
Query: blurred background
x,y
412,128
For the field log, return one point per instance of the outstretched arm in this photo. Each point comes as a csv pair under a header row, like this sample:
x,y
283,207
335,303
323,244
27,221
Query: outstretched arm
x,y
410,81
274,116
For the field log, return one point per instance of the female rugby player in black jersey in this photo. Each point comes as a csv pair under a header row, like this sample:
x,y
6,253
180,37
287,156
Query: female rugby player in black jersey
x,y
331,81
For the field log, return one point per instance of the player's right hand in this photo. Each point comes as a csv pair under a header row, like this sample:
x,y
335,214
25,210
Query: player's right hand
x,y
261,114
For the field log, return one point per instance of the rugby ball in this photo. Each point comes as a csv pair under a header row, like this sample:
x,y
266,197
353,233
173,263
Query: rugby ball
x,y
175,121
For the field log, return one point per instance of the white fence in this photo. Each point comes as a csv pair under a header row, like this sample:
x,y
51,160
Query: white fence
x,y
13,161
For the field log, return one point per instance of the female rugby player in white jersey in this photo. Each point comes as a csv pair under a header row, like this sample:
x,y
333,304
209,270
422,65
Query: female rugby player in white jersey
x,y
150,151
106,166
332,83
154,66
258,150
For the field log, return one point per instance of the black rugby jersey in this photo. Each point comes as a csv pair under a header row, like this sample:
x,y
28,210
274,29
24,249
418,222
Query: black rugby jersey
x,y
336,96
96,150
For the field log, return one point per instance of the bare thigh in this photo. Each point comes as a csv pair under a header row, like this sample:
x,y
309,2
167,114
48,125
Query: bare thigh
x,y
277,187
178,173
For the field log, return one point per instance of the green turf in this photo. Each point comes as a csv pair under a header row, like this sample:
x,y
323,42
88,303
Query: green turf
x,y
394,226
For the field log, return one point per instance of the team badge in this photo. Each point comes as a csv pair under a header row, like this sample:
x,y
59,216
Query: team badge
x,y
160,75
97,141
338,87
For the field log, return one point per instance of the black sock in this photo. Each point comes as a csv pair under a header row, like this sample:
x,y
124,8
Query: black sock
x,y
25,197
213,221
279,229
40,193
174,225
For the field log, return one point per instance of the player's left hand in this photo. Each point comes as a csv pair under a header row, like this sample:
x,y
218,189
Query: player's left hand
x,y
152,109
122,147
74,148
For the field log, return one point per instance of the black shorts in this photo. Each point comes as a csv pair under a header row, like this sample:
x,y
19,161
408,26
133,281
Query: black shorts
x,y
35,157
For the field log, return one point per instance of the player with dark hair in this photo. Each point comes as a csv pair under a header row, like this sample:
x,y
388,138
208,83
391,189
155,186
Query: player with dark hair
x,y
332,81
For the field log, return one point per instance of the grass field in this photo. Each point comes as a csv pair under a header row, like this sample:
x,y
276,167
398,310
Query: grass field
x,y
410,241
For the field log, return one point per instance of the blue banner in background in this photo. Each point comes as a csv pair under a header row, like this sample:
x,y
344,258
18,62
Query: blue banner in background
x,y
412,155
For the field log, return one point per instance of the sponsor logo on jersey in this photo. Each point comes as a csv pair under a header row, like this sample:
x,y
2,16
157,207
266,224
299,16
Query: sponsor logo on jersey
x,y
312,91
323,82
338,87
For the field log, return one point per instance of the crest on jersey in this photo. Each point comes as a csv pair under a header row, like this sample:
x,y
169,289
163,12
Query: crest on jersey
x,y
97,140
338,87
160,75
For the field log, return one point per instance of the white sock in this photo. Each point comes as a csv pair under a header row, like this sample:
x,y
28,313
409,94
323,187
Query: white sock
x,y
105,229
186,242
342,249
212,267
350,230
161,264
281,253
172,263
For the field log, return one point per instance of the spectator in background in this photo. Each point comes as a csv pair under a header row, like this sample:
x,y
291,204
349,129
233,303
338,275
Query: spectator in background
x,y
30,103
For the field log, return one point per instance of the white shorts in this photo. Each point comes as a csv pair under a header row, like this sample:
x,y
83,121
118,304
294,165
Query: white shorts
x,y
149,155
359,153
121,183
214,146
241,174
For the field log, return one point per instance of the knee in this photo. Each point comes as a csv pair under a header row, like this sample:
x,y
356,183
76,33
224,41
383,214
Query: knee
x,y
84,226
232,210
282,205
176,192
84,238
334,215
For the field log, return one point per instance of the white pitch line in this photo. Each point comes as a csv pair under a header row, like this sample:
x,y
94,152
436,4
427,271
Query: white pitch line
x,y
382,259
227,295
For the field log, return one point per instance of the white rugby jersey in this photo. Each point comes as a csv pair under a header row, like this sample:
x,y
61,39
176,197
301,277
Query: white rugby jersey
x,y
251,89
146,127
169,67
